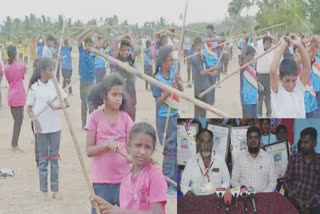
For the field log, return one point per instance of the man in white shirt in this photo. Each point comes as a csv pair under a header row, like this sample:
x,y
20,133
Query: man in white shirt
x,y
263,70
48,48
254,167
204,172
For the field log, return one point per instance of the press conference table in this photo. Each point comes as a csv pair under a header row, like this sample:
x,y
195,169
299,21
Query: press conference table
x,y
268,203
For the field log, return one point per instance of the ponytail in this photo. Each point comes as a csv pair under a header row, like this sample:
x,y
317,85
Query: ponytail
x,y
39,65
12,53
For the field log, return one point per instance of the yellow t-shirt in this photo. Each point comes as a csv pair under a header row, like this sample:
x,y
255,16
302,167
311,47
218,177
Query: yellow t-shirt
x,y
26,51
20,47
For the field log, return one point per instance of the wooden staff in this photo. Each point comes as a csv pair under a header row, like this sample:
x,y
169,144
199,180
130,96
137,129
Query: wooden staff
x,y
240,36
194,31
303,22
237,70
53,100
161,85
177,70
169,180
226,42
88,26
261,30
75,141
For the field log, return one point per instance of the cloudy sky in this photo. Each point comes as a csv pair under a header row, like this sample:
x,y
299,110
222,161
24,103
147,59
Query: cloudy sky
x,y
134,11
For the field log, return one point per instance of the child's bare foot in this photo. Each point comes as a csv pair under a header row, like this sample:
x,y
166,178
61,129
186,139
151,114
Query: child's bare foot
x,y
57,196
17,149
45,195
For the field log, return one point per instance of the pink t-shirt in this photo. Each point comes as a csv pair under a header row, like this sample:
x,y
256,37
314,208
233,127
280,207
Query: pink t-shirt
x,y
1,73
15,73
110,167
152,188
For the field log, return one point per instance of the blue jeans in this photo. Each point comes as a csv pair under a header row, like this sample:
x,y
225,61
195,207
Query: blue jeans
x,y
48,149
109,192
250,110
170,145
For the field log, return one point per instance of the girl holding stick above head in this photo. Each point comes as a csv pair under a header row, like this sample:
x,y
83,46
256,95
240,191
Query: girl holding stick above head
x,y
165,73
144,189
15,72
48,125
124,54
287,88
107,132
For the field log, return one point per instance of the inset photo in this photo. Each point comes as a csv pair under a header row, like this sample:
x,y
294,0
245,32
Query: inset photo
x,y
248,165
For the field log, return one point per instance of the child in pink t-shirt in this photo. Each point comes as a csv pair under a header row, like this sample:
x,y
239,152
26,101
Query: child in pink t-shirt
x,y
144,189
15,72
1,75
107,132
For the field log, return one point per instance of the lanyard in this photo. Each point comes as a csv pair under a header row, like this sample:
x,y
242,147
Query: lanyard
x,y
187,127
207,170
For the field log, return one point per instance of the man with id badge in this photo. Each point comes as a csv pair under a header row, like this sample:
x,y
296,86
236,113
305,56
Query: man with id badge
x,y
204,172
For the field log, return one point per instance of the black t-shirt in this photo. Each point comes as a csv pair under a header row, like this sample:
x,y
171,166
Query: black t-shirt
x,y
128,77
201,82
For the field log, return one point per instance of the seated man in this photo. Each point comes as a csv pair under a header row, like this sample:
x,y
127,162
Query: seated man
x,y
254,167
204,171
302,178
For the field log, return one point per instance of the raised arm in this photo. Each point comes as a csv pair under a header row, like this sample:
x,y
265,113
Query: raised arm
x,y
297,42
115,47
82,35
135,46
274,77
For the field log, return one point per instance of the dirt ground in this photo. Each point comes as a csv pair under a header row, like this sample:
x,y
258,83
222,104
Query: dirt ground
x,y
21,194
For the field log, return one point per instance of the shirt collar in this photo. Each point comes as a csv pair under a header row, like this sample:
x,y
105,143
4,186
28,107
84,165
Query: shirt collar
x,y
40,83
259,156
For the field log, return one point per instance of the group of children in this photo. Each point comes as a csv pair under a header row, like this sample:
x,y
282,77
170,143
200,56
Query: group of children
x,y
120,151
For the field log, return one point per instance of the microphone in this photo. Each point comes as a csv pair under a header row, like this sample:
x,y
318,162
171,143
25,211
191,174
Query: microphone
x,y
220,193
244,193
227,199
235,192
252,195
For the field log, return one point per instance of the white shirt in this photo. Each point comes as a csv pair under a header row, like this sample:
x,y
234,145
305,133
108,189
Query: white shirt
x,y
254,172
289,104
38,96
218,174
174,44
264,63
47,52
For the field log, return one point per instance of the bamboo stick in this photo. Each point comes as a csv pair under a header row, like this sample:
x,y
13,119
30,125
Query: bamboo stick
x,y
237,70
299,17
177,70
240,36
162,85
68,119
